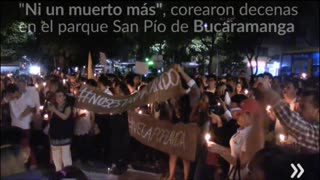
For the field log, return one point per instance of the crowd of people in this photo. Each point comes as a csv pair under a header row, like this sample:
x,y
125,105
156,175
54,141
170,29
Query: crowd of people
x,y
250,129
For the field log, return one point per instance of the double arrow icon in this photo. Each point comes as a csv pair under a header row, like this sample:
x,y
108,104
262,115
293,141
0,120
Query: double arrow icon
x,y
296,170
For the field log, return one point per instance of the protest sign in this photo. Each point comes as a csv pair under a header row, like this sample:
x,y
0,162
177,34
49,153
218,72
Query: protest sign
x,y
179,139
141,68
166,86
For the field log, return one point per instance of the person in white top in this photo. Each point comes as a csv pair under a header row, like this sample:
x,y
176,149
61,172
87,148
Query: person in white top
x,y
84,128
223,93
21,107
104,85
241,150
21,110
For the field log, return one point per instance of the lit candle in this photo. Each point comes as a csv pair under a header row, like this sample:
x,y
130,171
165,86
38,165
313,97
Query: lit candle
x,y
219,104
64,82
207,137
140,111
41,108
268,108
44,84
246,91
149,105
46,117
282,138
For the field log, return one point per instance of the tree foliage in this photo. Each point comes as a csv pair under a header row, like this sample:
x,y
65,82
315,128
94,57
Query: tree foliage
x,y
13,41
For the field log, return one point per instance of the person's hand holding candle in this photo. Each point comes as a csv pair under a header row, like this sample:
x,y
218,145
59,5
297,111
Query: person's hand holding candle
x,y
282,138
207,137
46,117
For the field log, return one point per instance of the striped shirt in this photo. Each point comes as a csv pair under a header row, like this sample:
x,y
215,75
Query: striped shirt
x,y
306,133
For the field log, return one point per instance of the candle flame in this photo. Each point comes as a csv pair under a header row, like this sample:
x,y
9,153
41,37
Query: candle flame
x,y
46,117
268,108
282,137
207,137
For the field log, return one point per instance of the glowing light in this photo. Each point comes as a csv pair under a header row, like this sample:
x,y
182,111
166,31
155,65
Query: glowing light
x,y
268,108
276,65
36,85
41,108
34,70
9,75
64,81
46,117
207,137
304,75
84,83
219,104
260,64
44,84
246,91
140,111
282,137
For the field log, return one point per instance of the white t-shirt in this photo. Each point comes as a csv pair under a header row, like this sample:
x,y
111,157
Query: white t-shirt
x,y
17,107
83,125
227,99
237,145
34,94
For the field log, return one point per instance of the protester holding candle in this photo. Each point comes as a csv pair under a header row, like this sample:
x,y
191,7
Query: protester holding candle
x,y
84,128
289,92
61,131
223,94
303,126
22,107
239,153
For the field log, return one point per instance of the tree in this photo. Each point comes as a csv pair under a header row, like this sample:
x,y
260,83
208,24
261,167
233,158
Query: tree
x,y
13,41
233,57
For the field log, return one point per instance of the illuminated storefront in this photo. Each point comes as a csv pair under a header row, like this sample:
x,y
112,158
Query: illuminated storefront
x,y
298,62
